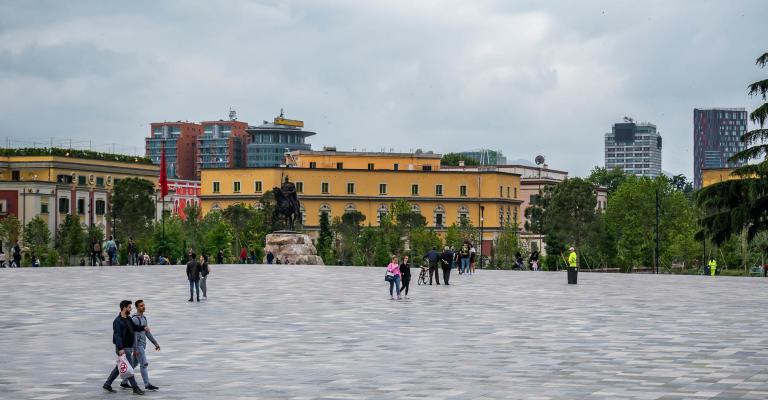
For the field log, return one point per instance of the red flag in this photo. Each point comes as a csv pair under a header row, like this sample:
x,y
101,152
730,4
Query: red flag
x,y
163,175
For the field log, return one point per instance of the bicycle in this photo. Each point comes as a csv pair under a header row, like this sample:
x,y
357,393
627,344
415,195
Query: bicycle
x,y
423,275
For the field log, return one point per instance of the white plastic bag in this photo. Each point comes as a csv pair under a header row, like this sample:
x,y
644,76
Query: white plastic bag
x,y
124,367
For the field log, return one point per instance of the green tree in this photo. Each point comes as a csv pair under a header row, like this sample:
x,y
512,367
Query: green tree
x,y
133,206
454,158
347,228
37,237
569,211
631,218
218,235
10,228
741,205
170,243
422,241
600,176
238,215
505,247
191,226
70,239
325,240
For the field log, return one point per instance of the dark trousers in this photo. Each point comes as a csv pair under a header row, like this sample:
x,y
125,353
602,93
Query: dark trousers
x,y
446,274
196,284
406,282
433,270
113,375
573,273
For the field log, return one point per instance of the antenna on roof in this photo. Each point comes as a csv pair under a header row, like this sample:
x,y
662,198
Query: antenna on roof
x,y
282,115
232,114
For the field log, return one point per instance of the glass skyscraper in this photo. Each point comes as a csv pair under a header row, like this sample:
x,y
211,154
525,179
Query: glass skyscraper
x,y
716,137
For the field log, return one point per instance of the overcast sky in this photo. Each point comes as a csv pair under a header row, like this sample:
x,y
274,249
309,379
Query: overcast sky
x,y
526,77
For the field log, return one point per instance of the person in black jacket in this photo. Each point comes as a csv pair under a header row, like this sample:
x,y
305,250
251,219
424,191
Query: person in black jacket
x,y
433,257
405,275
204,271
123,336
447,260
193,274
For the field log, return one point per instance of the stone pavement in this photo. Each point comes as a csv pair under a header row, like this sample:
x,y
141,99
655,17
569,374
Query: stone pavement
x,y
291,332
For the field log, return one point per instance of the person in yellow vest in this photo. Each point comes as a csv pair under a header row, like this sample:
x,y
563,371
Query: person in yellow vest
x,y
573,271
712,267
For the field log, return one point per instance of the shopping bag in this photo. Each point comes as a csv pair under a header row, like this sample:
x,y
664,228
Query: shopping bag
x,y
124,367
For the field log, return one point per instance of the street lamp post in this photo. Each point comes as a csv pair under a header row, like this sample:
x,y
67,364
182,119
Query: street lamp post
x,y
482,211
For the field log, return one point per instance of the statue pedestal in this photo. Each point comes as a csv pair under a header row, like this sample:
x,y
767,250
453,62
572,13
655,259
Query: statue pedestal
x,y
292,248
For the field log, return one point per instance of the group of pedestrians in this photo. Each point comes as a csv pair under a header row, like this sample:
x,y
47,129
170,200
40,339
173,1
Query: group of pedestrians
x,y
464,260
15,261
197,274
129,335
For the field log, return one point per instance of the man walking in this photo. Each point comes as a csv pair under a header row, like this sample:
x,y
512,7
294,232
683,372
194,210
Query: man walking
x,y
140,345
447,260
573,271
16,255
193,274
433,257
111,247
204,271
123,336
133,258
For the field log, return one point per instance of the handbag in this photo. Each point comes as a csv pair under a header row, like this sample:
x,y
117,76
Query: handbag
x,y
124,367
389,276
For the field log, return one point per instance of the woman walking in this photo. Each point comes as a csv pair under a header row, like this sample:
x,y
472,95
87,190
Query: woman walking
x,y
205,269
393,272
405,273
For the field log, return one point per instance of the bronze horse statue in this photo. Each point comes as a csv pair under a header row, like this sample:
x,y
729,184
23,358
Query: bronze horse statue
x,y
287,204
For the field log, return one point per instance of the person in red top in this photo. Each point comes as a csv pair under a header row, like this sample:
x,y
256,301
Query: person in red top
x,y
243,255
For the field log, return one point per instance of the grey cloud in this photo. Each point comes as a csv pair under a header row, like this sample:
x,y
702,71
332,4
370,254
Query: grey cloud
x,y
58,62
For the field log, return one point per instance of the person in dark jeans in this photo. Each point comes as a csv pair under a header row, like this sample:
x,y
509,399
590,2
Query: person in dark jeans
x,y
193,274
433,257
405,275
16,255
204,271
447,261
123,336
220,257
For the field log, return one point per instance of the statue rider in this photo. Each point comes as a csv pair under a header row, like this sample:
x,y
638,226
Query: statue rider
x,y
289,191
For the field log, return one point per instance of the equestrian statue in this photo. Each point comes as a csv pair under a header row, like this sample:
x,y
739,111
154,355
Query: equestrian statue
x,y
287,203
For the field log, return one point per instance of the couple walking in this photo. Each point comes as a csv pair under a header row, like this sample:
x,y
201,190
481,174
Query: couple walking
x,y
397,273
197,273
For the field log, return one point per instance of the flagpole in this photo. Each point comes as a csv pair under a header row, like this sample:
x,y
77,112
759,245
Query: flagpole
x,y
163,192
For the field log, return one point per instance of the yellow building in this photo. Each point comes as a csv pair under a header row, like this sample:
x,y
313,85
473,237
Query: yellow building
x,y
65,182
716,175
442,197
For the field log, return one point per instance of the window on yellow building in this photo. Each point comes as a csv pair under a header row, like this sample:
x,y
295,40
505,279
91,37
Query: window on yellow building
x,y
64,205
382,188
339,165
507,191
414,190
312,164
350,188
299,187
396,166
216,187
501,191
463,190
370,166
515,192
438,190
236,187
101,207
324,188
81,206
257,186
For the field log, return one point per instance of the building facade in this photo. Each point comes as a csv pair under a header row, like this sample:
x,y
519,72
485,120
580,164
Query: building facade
x,y
533,181
181,193
716,138
221,145
270,141
634,147
51,187
351,184
180,140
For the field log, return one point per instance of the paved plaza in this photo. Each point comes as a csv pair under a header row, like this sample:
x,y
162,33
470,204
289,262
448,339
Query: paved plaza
x,y
291,332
